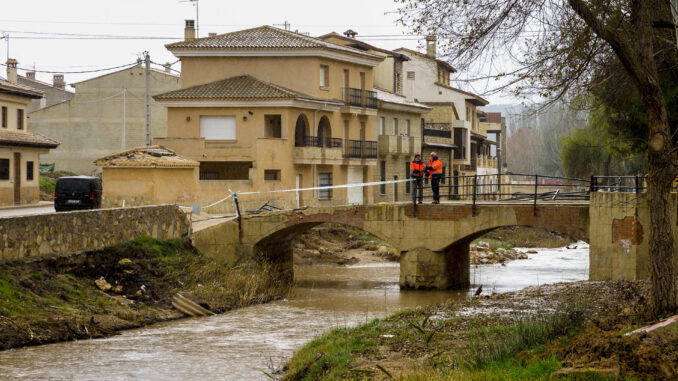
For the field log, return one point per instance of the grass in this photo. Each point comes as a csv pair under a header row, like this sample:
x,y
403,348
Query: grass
x,y
438,349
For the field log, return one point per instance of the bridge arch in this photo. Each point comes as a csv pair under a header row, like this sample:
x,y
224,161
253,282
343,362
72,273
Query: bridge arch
x,y
433,241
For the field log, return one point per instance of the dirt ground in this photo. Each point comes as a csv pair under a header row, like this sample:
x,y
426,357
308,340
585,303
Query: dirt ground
x,y
98,293
339,245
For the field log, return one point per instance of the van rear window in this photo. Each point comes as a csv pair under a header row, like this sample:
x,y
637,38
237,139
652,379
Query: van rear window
x,y
73,185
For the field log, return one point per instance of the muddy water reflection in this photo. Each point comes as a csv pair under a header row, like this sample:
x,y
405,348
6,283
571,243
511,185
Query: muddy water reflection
x,y
240,344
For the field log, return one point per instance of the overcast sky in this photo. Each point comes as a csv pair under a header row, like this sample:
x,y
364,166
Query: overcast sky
x,y
67,35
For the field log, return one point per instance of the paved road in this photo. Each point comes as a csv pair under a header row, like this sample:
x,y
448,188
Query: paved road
x,y
27,211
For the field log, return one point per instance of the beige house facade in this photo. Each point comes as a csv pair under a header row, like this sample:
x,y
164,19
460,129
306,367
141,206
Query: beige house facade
x,y
265,109
20,150
452,128
398,125
106,114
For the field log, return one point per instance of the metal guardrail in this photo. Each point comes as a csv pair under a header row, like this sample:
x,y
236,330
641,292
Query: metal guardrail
x,y
360,98
317,141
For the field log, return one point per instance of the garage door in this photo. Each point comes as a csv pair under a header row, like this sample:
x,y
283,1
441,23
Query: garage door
x,y
355,176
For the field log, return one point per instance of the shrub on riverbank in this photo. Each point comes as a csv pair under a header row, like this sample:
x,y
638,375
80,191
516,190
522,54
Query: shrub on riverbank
x,y
512,336
126,286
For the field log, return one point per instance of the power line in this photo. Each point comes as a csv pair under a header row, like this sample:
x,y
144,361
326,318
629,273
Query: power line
x,y
75,72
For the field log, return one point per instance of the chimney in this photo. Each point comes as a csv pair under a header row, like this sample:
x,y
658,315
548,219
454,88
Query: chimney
x,y
30,75
431,46
58,81
211,34
350,33
168,67
189,30
11,70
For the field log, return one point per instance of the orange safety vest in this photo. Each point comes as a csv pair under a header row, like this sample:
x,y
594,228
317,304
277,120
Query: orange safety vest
x,y
417,168
437,166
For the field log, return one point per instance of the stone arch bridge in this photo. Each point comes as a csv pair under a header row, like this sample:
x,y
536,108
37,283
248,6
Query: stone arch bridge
x,y
434,244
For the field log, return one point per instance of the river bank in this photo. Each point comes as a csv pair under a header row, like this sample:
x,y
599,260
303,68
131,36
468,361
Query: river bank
x,y
571,328
100,293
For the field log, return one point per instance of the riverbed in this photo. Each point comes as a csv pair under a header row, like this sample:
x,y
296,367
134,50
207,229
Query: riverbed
x,y
246,344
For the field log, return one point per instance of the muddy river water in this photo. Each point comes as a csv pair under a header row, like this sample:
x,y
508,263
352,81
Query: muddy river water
x,y
243,344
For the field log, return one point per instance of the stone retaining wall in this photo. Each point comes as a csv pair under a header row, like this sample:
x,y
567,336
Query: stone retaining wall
x,y
78,231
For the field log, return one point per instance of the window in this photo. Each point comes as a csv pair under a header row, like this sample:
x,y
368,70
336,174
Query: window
x,y
273,126
29,170
225,170
382,176
325,180
4,169
410,75
382,123
324,76
20,119
395,126
217,127
407,127
272,174
4,117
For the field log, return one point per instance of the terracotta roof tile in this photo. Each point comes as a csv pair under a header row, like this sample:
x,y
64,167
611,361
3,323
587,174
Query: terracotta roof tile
x,y
263,37
243,87
26,139
151,156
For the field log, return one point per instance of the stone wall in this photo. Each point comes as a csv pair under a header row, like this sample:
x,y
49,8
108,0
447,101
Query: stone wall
x,y
620,233
78,231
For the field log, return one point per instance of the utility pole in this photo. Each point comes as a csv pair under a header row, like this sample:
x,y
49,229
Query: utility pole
x,y
148,98
124,105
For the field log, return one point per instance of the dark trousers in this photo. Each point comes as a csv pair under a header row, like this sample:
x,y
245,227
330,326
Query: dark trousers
x,y
435,187
417,186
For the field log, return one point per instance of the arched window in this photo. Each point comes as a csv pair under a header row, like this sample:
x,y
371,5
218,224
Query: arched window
x,y
301,131
324,132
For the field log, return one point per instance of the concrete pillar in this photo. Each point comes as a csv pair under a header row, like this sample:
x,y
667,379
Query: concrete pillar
x,y
422,268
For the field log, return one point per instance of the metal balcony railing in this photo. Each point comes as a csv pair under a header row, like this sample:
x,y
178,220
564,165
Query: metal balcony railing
x,y
360,149
437,133
317,141
360,98
438,126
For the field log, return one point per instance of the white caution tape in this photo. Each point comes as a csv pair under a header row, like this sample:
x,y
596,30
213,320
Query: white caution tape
x,y
353,185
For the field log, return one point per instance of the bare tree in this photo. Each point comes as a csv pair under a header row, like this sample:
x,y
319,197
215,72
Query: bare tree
x,y
555,46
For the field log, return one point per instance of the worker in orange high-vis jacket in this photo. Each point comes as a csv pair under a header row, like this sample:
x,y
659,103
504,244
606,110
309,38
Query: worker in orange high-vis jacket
x,y
417,169
435,168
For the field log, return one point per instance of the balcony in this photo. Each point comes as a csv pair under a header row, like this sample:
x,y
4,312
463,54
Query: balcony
x,y
398,145
358,101
447,134
358,149
318,141
318,150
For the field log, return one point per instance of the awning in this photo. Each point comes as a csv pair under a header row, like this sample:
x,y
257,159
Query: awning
x,y
441,145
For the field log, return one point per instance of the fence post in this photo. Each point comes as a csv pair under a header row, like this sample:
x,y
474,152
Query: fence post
x,y
237,209
592,188
475,182
536,184
637,185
